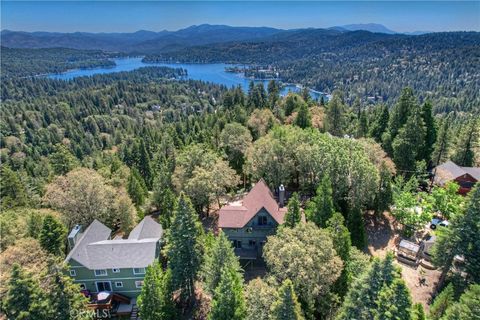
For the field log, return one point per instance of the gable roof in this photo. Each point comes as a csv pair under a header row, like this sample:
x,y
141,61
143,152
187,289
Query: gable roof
x,y
449,171
237,215
95,249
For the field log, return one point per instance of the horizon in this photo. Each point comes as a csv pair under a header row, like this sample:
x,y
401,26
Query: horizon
x,y
157,16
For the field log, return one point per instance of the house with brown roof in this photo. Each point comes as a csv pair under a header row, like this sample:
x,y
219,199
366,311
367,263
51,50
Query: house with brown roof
x,y
466,177
248,222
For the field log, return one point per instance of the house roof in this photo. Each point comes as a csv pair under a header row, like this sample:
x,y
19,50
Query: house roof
x,y
449,171
95,249
237,215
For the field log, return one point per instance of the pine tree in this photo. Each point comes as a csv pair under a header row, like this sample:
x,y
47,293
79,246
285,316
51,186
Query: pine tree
x,y
64,297
361,301
464,155
287,306
273,93
418,313
13,192
342,245
384,196
430,132
293,215
468,307
408,144
52,235
228,300
143,165
362,128
440,152
441,303
156,299
184,247
303,119
401,111
394,302
23,293
380,124
219,257
34,225
356,225
62,160
136,187
335,115
320,208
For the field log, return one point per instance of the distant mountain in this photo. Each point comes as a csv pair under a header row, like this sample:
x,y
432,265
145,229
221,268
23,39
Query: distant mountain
x,y
141,41
372,27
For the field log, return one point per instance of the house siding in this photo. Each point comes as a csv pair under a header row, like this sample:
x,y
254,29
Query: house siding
x,y
126,276
252,231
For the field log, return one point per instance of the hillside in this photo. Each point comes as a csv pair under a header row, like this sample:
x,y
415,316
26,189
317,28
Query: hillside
x,y
443,67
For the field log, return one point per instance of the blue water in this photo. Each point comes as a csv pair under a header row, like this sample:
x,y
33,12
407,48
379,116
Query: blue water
x,y
211,72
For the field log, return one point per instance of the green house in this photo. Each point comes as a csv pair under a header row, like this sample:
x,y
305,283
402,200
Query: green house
x,y
98,263
248,223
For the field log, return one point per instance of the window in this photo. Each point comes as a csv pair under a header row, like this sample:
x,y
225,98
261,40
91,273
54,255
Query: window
x,y
73,273
262,220
252,243
104,286
119,284
139,284
138,270
237,244
82,286
100,273
115,270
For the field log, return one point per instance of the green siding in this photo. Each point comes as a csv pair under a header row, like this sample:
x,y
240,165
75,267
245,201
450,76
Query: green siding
x,y
253,232
126,276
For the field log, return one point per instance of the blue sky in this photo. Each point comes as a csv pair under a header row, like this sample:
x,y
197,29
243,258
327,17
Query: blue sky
x,y
129,16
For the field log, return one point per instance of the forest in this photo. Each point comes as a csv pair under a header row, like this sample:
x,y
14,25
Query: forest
x,y
117,147
442,67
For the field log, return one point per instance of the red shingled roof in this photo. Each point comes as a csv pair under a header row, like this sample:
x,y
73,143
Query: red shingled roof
x,y
238,215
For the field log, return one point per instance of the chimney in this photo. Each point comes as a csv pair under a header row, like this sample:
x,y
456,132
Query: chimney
x,y
281,196
74,235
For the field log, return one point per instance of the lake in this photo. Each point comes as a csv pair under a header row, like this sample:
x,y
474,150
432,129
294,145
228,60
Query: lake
x,y
209,72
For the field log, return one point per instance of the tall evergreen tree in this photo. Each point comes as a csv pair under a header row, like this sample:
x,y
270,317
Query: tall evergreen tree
x,y
143,165
418,313
184,247
463,154
273,93
440,151
52,235
408,144
13,192
342,245
430,132
156,299
361,301
394,302
362,128
221,256
468,307
228,300
22,295
64,297
401,111
320,208
287,306
303,119
356,225
136,187
384,195
335,115
293,215
441,303
380,123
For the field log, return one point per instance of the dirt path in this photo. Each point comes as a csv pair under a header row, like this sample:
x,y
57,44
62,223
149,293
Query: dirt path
x,y
382,238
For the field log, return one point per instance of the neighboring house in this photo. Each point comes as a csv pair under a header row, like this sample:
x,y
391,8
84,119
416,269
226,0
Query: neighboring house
x,y
248,222
466,177
98,263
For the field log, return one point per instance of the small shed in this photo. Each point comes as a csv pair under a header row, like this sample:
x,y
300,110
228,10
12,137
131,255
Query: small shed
x,y
407,252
